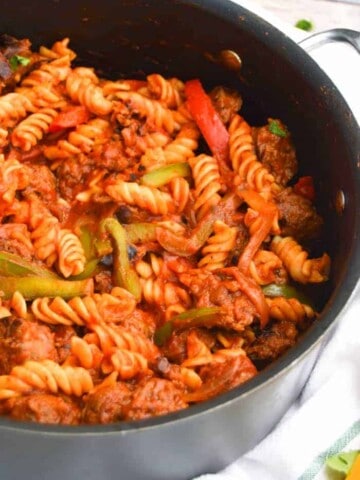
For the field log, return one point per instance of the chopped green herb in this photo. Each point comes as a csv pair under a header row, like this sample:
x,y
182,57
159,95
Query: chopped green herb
x,y
304,24
276,129
342,462
17,60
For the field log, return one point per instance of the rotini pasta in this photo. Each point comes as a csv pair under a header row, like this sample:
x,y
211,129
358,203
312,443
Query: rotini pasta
x,y
28,132
47,376
142,256
82,89
207,182
296,261
243,157
218,247
149,198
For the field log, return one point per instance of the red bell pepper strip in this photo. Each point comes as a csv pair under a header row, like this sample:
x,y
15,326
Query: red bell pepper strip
x,y
267,212
69,118
305,188
207,119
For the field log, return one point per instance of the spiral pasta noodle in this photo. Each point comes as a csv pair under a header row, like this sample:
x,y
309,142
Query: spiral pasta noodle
x,y
13,177
283,308
71,257
295,258
110,336
149,198
207,182
52,72
83,90
218,247
47,376
98,308
14,107
243,157
28,132
154,112
127,364
58,50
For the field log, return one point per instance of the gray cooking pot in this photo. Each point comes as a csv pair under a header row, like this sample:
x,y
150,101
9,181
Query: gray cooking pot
x,y
184,38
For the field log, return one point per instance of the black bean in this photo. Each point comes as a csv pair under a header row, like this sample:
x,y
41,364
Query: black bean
x,y
123,214
107,260
131,251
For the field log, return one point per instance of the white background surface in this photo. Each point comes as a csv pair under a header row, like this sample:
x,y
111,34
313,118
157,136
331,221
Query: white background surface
x,y
323,14
339,60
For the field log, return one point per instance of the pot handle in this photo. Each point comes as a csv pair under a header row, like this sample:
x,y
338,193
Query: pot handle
x,y
340,34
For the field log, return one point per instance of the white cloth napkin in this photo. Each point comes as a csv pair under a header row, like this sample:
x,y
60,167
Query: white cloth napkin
x,y
325,419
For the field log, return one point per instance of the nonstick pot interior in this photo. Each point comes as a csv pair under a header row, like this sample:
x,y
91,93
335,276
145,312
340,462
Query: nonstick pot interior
x,y
277,79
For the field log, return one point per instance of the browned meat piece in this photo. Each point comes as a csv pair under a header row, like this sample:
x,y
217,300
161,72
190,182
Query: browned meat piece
x,y
153,397
227,102
140,322
219,377
15,238
106,404
25,340
210,291
241,367
10,46
103,281
17,247
71,174
276,153
271,344
44,408
42,181
5,69
175,349
110,156
62,339
298,217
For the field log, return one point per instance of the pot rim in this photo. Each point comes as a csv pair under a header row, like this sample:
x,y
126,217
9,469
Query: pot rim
x,y
342,295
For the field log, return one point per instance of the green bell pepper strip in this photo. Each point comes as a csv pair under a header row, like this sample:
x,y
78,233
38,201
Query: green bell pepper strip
x,y
163,175
163,333
102,247
140,232
287,291
34,287
191,318
124,275
91,268
135,232
14,266
87,241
